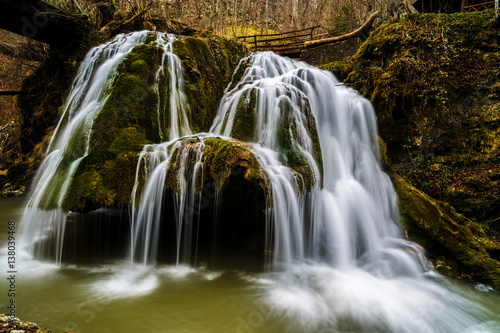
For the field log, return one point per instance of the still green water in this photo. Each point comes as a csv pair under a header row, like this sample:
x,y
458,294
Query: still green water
x,y
124,298
120,298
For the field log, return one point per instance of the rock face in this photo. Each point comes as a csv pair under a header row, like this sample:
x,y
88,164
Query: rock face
x,y
433,80
450,237
456,245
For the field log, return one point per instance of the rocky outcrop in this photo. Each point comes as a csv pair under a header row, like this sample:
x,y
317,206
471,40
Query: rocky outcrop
x,y
457,246
7,324
208,65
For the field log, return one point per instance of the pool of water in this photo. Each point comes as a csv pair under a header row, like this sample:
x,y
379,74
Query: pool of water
x,y
121,297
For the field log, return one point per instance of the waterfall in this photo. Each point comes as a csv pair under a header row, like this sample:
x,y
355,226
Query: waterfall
x,y
339,260
176,109
350,219
43,218
340,263
147,212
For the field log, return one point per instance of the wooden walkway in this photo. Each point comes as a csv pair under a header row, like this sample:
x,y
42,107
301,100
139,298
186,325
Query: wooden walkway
x,y
479,7
287,43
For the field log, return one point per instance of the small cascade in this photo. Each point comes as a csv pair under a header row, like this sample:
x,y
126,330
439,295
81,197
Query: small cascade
x,y
153,165
183,162
175,107
44,218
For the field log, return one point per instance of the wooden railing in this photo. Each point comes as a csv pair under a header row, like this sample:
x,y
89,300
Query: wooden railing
x,y
291,42
479,7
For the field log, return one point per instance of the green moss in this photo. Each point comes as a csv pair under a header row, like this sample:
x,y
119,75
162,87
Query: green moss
x,y
150,38
217,158
138,67
220,158
207,65
128,139
106,177
438,222
52,195
244,120
133,99
290,151
102,179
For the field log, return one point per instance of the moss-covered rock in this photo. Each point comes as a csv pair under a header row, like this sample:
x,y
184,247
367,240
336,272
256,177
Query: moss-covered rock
x,y
133,99
441,230
102,179
220,159
433,80
457,246
290,144
208,65
130,118
245,117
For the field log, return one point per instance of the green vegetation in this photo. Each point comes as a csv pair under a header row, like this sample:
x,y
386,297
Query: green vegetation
x,y
133,99
289,144
207,65
244,119
461,247
457,246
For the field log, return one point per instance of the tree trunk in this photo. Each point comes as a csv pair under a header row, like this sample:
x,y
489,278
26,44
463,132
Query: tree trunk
x,y
362,32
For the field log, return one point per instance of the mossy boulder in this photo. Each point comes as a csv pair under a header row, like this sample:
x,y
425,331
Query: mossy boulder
x,y
208,64
292,146
220,158
438,227
133,99
129,117
105,178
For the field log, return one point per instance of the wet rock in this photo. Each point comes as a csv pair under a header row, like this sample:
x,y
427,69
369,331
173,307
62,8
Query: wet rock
x,y
9,325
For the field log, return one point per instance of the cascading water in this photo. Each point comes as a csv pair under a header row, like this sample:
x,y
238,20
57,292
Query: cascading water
x,y
326,224
44,218
177,106
147,212
340,261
